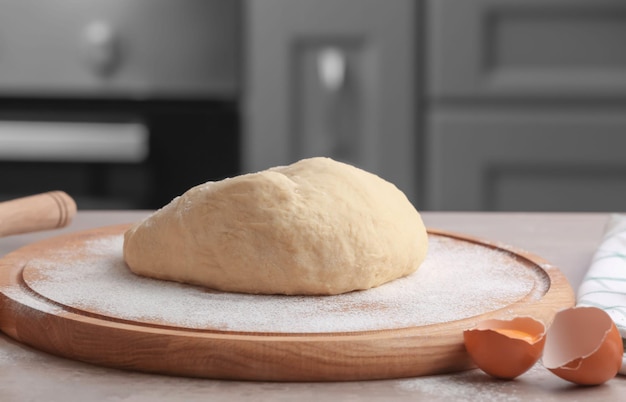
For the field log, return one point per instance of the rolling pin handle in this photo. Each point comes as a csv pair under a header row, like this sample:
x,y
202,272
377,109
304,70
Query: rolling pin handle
x,y
51,210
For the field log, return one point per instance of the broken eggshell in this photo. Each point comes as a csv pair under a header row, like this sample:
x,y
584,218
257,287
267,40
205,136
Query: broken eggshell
x,y
505,348
584,346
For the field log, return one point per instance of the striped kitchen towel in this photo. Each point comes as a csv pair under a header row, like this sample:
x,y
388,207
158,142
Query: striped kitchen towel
x,y
604,285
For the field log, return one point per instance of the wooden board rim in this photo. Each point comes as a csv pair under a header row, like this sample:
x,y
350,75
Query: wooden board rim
x,y
378,354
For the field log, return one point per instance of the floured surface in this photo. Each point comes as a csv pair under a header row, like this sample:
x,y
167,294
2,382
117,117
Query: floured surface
x,y
458,280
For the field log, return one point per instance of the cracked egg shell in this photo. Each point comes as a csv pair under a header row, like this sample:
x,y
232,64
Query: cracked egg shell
x,y
584,346
505,348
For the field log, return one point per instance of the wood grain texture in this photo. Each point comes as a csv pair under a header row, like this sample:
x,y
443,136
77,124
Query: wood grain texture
x,y
393,353
51,210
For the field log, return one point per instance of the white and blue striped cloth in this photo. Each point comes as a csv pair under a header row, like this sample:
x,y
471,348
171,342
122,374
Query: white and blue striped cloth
x,y
604,285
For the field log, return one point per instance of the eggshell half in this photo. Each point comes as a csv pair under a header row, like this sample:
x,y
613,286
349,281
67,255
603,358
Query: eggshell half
x,y
584,346
505,348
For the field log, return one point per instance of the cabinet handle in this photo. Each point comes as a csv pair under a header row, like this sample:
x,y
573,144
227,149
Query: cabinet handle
x,y
101,47
96,142
332,68
338,102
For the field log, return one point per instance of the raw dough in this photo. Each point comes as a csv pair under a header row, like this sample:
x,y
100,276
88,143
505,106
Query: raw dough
x,y
314,227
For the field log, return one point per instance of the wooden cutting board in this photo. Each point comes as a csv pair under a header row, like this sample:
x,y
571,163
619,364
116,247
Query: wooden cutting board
x,y
73,296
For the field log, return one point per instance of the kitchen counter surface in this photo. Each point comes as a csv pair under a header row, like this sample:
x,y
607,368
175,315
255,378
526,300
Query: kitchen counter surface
x,y
567,240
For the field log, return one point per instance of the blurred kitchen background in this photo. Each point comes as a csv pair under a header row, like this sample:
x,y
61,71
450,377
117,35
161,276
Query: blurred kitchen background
x,y
505,105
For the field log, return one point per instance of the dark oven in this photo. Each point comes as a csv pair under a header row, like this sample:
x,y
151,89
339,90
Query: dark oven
x,y
122,104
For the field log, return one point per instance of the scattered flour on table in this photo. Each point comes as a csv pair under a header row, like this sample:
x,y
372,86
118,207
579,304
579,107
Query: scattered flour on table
x,y
475,385
457,280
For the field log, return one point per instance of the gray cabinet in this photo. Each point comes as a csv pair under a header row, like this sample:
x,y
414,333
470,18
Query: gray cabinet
x,y
116,48
334,78
465,105
527,158
516,49
527,105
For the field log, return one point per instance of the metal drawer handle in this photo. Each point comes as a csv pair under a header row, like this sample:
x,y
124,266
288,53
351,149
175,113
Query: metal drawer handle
x,y
332,68
101,47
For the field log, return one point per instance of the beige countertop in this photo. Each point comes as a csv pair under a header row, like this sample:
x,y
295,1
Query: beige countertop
x,y
567,240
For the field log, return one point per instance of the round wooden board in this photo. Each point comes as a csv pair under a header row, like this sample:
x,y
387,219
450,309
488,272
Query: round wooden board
x,y
100,339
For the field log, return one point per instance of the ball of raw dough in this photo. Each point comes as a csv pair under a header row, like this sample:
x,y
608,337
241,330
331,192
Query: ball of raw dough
x,y
314,227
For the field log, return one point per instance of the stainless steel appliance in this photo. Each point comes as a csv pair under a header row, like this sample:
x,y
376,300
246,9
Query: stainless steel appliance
x,y
121,103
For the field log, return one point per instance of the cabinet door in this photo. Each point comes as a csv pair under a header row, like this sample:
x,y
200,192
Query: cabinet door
x,y
331,78
527,160
117,48
527,48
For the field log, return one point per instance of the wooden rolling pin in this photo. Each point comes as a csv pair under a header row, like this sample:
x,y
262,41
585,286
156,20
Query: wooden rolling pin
x,y
44,211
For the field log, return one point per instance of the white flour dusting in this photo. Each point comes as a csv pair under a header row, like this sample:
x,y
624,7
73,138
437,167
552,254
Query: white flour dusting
x,y
457,280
